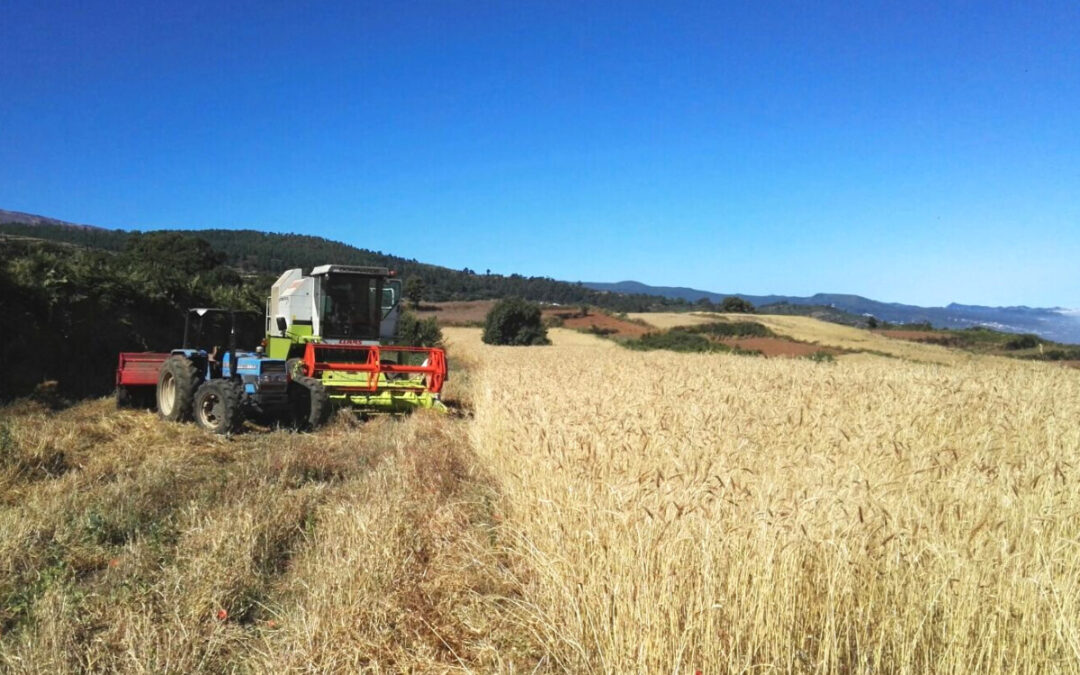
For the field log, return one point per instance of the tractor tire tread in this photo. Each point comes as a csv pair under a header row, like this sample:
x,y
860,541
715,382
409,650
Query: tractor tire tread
x,y
183,371
311,403
232,415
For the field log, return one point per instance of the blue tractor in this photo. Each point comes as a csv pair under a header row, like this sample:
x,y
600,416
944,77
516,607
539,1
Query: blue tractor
x,y
211,381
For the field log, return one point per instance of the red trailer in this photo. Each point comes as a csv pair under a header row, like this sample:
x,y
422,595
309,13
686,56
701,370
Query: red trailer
x,y
137,378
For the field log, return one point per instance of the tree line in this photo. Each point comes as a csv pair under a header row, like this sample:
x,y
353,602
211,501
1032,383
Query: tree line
x,y
253,252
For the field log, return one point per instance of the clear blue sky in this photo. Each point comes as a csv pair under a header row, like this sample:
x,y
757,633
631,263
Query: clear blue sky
x,y
914,152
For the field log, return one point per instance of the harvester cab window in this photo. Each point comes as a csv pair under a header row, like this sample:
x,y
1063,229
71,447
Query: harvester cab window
x,y
389,299
350,310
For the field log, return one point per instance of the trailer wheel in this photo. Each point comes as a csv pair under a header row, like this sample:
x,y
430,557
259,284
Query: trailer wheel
x,y
310,403
123,397
217,407
176,388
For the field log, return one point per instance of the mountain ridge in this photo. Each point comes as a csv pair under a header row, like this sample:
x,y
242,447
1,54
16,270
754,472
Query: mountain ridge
x,y
1055,323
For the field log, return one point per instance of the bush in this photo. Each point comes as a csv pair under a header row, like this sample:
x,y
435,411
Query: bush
x,y
735,304
1026,341
416,332
513,321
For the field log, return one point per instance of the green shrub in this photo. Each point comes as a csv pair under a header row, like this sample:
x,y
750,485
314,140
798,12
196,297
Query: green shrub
x,y
737,305
822,356
513,321
1026,341
416,332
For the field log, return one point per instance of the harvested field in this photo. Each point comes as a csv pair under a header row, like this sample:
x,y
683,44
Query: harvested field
x,y
133,545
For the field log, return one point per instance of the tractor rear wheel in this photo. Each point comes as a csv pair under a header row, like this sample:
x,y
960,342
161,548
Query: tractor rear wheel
x,y
176,388
217,407
310,403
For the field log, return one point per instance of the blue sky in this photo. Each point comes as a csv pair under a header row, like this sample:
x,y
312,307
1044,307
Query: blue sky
x,y
912,152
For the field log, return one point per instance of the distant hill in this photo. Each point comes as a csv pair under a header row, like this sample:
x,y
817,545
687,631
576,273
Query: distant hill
x,y
30,219
1052,323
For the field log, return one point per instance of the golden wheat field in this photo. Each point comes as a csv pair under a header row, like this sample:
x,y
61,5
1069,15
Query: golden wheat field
x,y
589,509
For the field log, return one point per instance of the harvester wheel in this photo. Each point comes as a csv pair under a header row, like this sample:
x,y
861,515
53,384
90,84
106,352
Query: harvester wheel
x,y
176,388
217,407
310,403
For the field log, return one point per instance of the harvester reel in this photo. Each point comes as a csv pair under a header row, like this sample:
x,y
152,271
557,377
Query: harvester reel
x,y
217,406
176,388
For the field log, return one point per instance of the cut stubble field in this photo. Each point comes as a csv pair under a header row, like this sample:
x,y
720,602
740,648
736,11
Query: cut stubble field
x,y
594,509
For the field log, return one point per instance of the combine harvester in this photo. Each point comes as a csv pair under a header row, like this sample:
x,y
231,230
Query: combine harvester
x,y
337,326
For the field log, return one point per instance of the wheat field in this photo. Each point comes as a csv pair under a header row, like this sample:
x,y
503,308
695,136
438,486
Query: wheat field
x,y
732,514
588,509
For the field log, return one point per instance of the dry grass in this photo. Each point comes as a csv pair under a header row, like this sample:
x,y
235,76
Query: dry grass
x,y
736,514
134,545
603,510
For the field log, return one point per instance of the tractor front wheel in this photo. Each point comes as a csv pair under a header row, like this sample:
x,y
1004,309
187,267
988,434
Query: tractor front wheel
x,y
176,388
310,403
217,407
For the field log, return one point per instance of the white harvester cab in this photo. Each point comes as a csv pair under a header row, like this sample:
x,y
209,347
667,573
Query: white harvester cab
x,y
335,303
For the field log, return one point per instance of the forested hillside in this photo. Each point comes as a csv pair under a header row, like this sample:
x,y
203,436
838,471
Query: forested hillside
x,y
271,253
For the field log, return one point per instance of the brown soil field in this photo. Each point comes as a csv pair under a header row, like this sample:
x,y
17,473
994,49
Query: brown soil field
x,y
456,313
602,321
774,346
